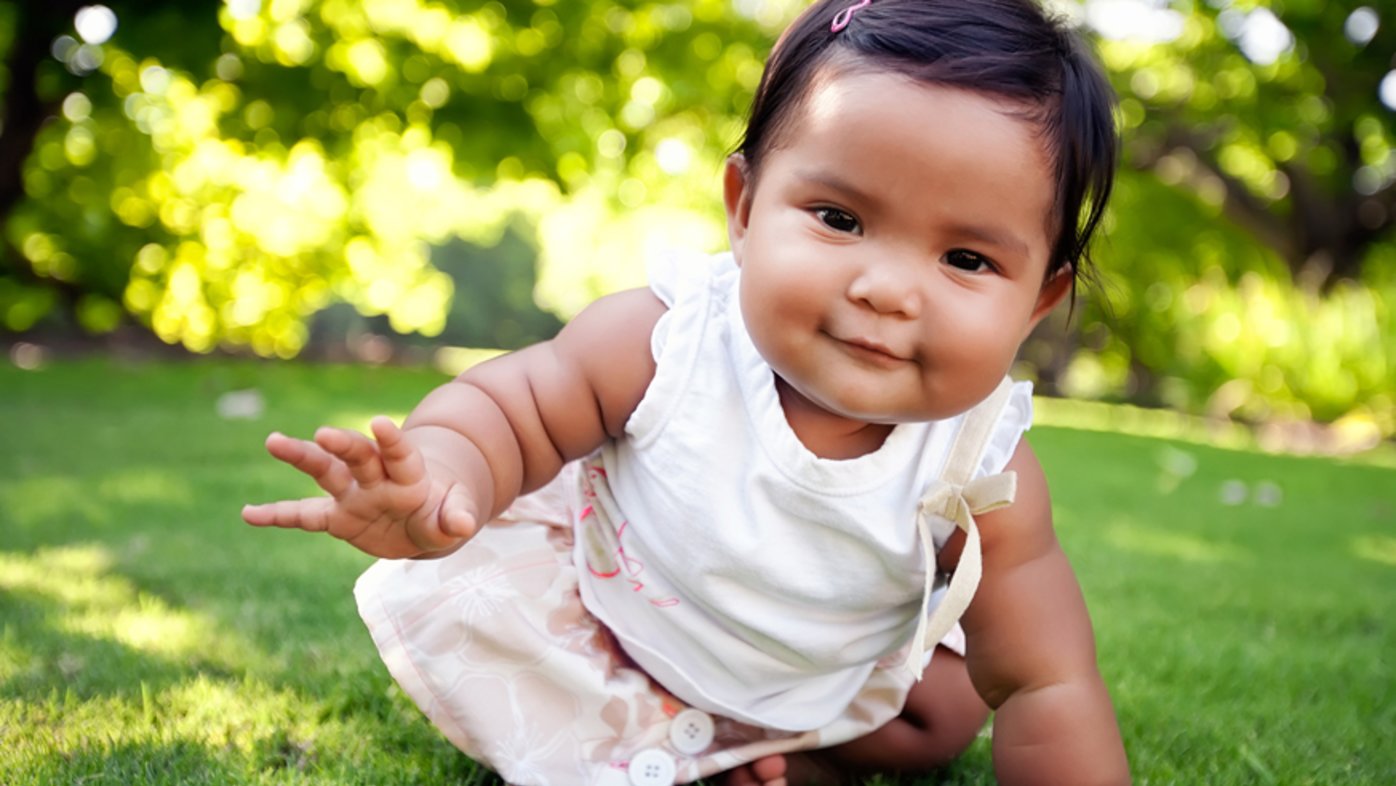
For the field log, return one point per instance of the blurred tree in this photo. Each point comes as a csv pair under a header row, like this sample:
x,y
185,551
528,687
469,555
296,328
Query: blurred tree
x,y
36,40
223,170
1251,259
1272,112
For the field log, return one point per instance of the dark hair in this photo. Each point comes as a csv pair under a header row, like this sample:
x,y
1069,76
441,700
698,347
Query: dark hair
x,y
1008,49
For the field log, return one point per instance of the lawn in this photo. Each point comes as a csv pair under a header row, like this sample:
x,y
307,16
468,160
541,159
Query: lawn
x,y
1243,602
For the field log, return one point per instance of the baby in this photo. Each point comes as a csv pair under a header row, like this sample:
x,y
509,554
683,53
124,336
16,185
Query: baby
x,y
773,515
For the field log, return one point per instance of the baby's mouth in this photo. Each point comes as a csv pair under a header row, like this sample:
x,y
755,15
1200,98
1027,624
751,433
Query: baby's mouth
x,y
872,349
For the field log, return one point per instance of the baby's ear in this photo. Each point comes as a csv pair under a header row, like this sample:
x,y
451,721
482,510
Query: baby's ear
x,y
737,189
1053,291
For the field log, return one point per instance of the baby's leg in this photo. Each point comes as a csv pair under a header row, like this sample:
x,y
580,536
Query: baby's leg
x,y
943,714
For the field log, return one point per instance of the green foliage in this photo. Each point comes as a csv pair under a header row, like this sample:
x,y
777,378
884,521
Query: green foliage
x,y
147,636
1207,321
319,150
1250,257
1291,142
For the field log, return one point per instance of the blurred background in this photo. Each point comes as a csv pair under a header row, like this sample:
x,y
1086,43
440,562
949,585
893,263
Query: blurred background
x,y
409,180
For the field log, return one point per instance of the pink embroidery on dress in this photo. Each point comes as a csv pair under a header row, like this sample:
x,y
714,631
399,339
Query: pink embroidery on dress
x,y
632,566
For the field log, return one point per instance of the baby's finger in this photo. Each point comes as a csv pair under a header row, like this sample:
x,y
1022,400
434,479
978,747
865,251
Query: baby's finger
x,y
401,460
356,451
308,514
328,472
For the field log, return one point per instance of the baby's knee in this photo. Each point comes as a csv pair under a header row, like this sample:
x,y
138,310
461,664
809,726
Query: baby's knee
x,y
944,731
945,708
942,717
921,739
906,744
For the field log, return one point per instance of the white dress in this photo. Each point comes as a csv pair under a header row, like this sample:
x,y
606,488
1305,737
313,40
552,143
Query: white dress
x,y
752,578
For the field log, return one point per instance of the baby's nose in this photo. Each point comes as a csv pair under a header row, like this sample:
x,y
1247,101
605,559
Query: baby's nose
x,y
887,289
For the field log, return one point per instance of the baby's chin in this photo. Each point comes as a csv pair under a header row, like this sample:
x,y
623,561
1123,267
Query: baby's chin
x,y
868,402
874,416
882,414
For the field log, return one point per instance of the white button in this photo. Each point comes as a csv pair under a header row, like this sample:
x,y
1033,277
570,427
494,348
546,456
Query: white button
x,y
691,732
652,767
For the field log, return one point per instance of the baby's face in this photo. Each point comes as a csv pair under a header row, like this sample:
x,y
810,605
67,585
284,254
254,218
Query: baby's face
x,y
894,247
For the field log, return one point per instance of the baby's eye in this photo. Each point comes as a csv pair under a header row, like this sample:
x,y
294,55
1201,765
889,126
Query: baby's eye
x,y
838,220
969,261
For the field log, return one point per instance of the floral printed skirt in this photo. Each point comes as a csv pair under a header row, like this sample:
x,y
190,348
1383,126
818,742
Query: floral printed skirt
x,y
493,643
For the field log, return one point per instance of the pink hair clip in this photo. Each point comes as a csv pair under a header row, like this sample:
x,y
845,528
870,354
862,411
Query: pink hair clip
x,y
842,18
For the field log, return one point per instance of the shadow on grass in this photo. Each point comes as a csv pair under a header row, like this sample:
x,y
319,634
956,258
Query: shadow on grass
x,y
174,762
134,686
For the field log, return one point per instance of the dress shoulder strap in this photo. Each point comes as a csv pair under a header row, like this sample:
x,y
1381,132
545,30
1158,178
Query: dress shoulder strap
x,y
968,448
958,496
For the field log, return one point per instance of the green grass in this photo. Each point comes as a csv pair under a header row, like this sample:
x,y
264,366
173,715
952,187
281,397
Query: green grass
x,y
148,636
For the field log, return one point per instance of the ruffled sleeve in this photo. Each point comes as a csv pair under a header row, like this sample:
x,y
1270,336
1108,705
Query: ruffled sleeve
x,y
673,277
1015,420
685,282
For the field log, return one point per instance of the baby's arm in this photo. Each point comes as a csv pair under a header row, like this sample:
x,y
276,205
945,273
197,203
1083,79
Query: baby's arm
x,y
473,445
507,426
1031,651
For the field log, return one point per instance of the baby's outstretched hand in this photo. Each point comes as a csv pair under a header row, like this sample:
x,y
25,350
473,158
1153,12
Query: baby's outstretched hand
x,y
382,497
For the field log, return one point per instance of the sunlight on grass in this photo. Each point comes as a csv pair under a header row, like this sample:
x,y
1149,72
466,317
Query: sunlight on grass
x,y
152,627
1138,421
226,713
99,605
14,657
1128,536
219,715
1173,425
1376,548
131,671
71,575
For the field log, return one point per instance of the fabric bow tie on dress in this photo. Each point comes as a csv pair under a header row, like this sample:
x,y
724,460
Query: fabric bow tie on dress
x,y
959,505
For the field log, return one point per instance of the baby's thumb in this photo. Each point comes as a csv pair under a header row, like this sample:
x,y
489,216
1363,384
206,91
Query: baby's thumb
x,y
457,517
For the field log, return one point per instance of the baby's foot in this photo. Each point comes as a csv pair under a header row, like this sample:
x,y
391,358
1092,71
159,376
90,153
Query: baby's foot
x,y
769,771
797,769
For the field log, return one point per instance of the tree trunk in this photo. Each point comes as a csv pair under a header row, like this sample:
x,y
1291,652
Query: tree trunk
x,y
24,111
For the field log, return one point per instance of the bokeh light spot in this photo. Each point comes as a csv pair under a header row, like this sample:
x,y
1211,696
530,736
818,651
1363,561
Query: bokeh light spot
x,y
95,23
1387,90
244,9
1362,25
77,107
